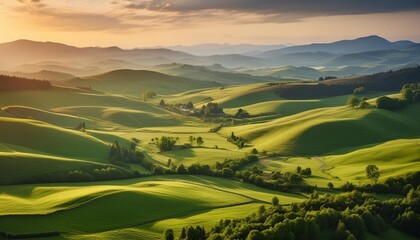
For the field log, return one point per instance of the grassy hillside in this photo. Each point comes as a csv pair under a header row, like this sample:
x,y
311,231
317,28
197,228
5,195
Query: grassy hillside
x,y
394,158
42,75
92,208
63,120
386,81
316,131
23,166
134,82
45,138
204,73
227,97
123,116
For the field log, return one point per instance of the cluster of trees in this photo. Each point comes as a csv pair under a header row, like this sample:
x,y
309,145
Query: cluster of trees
x,y
354,101
9,83
388,103
410,94
346,216
119,155
181,108
305,172
198,141
85,175
238,141
164,143
287,182
358,90
236,164
226,169
148,94
393,185
211,109
188,233
242,114
326,78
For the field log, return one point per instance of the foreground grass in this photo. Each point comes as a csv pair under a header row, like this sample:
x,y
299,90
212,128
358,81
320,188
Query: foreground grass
x,y
104,206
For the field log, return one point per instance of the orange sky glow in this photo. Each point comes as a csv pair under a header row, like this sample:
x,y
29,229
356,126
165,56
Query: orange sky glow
x,y
149,23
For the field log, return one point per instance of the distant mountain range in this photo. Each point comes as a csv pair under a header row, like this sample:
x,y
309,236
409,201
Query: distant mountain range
x,y
368,54
221,49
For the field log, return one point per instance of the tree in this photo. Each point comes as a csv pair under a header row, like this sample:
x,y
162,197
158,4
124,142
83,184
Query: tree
x,y
306,172
81,126
254,151
191,139
255,235
241,113
353,101
148,94
227,172
390,103
162,103
200,141
330,185
363,103
372,172
275,201
189,105
165,143
358,90
181,169
408,94
295,178
183,234
168,234
298,169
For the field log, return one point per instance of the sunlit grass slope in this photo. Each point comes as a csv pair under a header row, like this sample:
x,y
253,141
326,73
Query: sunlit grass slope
x,y
326,130
63,120
393,158
123,116
229,96
97,207
133,82
23,166
214,149
45,138
285,107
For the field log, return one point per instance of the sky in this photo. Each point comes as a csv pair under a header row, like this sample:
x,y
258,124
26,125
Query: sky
x,y
148,23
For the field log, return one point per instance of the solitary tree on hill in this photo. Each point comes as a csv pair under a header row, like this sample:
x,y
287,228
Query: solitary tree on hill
x,y
372,172
200,141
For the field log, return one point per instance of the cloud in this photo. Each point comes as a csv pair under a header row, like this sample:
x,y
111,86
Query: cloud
x,y
36,3
126,15
280,7
70,20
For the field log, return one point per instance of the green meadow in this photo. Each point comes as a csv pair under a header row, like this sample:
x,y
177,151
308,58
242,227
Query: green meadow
x,y
53,171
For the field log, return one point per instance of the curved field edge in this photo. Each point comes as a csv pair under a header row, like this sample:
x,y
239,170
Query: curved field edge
x,y
120,204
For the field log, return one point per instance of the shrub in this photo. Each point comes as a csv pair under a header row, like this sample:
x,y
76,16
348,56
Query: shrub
x,y
390,103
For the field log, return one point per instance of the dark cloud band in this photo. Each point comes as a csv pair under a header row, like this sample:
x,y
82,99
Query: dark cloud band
x,y
309,7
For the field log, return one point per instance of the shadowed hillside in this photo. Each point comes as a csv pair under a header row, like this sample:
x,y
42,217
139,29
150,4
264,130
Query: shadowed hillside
x,y
137,81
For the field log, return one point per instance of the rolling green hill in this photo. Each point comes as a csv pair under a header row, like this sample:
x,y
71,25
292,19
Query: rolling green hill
x,y
45,138
205,73
63,120
134,82
120,205
315,132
